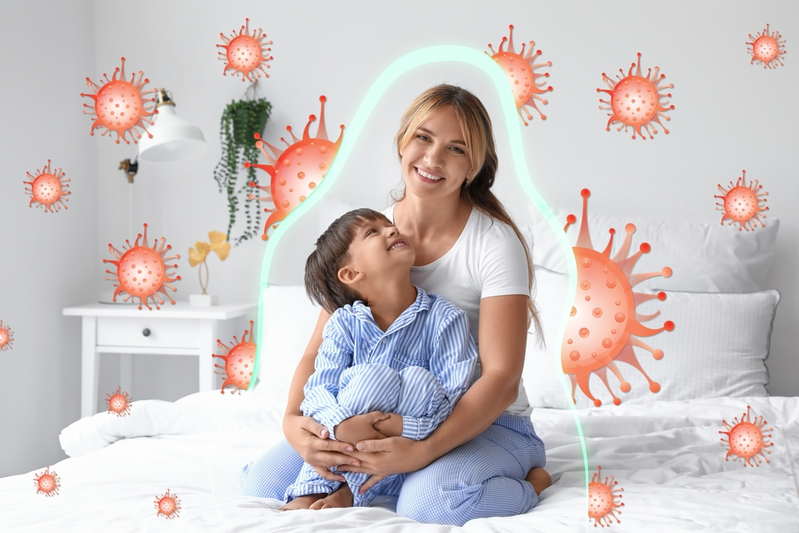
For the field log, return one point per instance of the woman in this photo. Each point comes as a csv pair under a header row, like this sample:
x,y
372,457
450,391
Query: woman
x,y
485,459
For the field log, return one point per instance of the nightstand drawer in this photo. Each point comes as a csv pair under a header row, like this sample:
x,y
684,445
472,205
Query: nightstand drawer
x,y
153,332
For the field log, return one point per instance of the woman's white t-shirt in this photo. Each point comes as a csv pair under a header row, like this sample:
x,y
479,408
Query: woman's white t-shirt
x,y
487,260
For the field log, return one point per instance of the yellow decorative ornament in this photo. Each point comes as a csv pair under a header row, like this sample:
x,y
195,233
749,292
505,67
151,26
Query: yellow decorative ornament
x,y
199,253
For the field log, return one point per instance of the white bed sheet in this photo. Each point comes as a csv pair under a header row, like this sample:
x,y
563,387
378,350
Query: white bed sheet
x,y
667,456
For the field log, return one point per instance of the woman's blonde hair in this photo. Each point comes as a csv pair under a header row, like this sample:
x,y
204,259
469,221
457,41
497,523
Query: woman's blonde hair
x,y
479,137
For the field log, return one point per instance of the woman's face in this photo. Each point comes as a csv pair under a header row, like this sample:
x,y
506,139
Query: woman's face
x,y
435,162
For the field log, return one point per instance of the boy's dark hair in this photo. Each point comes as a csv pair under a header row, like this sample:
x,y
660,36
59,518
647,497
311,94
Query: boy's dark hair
x,y
332,250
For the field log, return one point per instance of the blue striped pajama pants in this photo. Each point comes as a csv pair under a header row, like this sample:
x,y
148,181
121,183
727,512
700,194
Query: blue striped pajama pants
x,y
482,478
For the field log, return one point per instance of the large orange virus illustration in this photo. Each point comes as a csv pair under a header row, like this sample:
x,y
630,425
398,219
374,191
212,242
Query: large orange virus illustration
x,y
296,170
635,100
742,204
245,54
142,272
118,403
6,337
766,48
745,439
47,483
119,105
603,321
48,189
602,504
525,82
167,505
239,362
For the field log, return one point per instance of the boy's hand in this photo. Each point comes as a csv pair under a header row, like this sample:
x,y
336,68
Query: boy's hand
x,y
391,426
360,427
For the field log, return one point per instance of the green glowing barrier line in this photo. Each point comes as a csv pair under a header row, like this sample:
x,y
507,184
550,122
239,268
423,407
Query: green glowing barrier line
x,y
401,66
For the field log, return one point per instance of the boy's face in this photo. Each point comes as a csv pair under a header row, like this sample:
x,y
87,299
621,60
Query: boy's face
x,y
379,250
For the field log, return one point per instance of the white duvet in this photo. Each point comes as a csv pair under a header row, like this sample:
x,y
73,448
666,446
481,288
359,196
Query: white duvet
x,y
667,456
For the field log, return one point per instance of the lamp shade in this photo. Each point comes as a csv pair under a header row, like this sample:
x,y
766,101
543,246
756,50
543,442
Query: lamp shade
x,y
173,138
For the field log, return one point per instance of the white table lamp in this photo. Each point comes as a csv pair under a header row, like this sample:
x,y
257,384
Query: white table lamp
x,y
173,138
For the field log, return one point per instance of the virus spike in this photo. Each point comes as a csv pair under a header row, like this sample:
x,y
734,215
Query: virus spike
x,y
6,337
656,353
635,100
239,362
603,321
745,439
766,48
628,356
525,83
571,219
743,203
48,189
638,278
297,170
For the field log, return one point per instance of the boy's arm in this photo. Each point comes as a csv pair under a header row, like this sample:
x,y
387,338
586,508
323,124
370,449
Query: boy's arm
x,y
452,361
321,390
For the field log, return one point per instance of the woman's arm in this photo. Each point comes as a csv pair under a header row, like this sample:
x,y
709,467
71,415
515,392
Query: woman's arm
x,y
308,437
503,337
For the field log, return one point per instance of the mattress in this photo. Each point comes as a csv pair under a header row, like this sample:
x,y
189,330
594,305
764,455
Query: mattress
x,y
669,458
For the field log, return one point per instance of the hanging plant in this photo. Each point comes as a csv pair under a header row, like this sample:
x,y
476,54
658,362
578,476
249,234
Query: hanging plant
x,y
240,121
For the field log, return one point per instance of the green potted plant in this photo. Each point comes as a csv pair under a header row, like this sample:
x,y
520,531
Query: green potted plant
x,y
240,120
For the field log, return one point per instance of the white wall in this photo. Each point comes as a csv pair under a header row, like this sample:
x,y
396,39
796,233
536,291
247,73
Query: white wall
x,y
46,260
729,116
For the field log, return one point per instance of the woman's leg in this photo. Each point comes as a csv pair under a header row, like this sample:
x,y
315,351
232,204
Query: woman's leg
x,y
484,477
270,475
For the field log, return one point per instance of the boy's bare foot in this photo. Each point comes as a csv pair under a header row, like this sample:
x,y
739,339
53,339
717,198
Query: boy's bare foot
x,y
539,479
341,498
302,502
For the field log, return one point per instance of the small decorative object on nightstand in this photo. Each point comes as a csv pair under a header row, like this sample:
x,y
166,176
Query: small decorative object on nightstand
x,y
198,255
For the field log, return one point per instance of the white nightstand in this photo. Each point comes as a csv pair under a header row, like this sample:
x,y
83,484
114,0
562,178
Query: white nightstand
x,y
180,329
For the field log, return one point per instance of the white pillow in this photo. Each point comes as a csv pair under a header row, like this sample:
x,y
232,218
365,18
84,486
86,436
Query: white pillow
x,y
717,349
288,320
703,257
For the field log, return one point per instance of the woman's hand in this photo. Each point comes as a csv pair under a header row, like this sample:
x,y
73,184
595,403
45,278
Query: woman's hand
x,y
384,457
310,439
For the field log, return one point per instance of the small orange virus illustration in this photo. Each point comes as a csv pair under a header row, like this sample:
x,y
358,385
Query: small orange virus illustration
x,y
48,189
602,502
766,48
635,100
742,203
603,320
745,439
239,361
245,53
297,170
6,337
521,72
168,505
47,483
141,271
118,403
119,105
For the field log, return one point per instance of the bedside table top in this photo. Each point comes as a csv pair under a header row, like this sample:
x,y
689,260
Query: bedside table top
x,y
179,310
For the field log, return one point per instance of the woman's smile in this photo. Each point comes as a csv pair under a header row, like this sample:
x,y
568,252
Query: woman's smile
x,y
428,176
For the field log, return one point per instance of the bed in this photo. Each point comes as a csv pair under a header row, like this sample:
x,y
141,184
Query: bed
x,y
666,450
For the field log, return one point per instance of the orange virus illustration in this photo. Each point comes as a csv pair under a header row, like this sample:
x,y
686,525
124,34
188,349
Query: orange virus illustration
x,y
766,48
168,505
239,361
296,170
142,272
603,321
742,203
47,483
745,439
602,504
118,403
48,189
119,105
525,82
245,53
6,337
635,100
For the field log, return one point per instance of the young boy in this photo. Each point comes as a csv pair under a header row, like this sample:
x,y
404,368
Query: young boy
x,y
388,346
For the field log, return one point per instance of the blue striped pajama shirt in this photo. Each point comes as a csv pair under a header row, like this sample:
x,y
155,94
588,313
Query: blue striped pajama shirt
x,y
418,368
